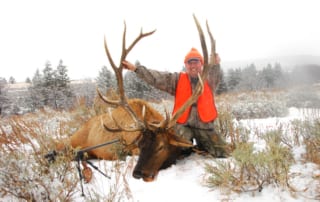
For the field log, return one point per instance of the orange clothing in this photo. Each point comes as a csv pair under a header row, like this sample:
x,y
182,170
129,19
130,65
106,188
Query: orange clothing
x,y
205,104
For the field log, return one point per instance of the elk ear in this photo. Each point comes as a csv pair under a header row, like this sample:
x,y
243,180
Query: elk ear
x,y
179,141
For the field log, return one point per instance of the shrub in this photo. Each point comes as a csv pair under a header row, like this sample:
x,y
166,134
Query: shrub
x,y
229,128
252,105
251,170
303,98
308,133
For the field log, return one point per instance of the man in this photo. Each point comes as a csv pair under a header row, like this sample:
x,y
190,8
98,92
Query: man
x,y
197,122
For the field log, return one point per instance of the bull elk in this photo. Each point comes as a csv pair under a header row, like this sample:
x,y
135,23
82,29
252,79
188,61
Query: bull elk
x,y
142,130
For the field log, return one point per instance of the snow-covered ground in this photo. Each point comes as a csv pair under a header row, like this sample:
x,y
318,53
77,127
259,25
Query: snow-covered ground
x,y
185,180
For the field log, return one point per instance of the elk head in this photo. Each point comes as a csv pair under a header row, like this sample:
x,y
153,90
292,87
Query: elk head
x,y
159,146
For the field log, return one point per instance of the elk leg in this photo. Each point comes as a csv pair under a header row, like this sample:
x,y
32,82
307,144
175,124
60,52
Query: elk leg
x,y
86,172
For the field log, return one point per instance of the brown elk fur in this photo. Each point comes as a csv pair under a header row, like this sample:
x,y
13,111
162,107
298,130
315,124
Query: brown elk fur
x,y
101,107
94,133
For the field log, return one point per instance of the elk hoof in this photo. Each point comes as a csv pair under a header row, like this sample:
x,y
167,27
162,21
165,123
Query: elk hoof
x,y
87,174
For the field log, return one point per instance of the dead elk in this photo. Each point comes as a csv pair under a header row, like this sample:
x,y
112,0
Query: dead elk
x,y
93,132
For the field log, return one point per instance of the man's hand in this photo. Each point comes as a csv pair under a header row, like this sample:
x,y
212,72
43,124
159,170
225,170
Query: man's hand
x,y
129,66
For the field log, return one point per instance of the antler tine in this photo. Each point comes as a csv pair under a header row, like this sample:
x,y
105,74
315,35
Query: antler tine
x,y
114,67
166,121
202,41
118,72
124,52
204,74
106,100
119,128
141,35
213,46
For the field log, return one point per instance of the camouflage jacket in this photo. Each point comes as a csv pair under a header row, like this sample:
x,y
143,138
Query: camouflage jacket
x,y
167,82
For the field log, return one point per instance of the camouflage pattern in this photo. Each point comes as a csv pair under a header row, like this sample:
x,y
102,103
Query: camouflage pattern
x,y
204,133
206,139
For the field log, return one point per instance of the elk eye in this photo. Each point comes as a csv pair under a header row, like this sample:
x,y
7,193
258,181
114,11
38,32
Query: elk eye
x,y
160,148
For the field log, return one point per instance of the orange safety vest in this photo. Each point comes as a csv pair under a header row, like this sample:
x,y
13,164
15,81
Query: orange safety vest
x,y
206,107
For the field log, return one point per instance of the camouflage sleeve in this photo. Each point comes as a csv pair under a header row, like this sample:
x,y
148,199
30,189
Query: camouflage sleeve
x,y
164,81
214,77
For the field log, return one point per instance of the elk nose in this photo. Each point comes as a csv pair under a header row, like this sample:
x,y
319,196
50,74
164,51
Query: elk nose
x,y
137,174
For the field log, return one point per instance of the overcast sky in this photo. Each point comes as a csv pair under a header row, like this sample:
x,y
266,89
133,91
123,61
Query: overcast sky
x,y
36,31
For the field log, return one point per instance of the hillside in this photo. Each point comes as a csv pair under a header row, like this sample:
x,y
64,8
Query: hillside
x,y
287,62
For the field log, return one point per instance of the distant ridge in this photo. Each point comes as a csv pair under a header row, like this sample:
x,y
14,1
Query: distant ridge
x,y
286,62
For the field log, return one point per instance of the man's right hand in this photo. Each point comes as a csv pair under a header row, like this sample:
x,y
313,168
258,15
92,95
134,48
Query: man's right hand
x,y
129,66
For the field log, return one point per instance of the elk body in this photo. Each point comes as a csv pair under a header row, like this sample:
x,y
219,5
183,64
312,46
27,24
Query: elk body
x,y
93,132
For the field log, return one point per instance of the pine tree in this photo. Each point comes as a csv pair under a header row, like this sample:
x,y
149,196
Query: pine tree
x,y
106,79
62,90
48,84
234,78
268,76
4,101
52,88
28,80
248,78
35,91
134,87
222,86
280,80
12,80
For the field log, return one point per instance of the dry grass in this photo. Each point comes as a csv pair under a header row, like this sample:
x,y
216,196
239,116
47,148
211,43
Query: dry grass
x,y
25,173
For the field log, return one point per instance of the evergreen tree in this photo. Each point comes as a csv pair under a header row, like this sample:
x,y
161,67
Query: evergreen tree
x,y
12,80
48,85
135,87
248,79
35,91
268,77
52,88
4,101
106,79
234,78
62,90
85,91
222,87
28,80
280,80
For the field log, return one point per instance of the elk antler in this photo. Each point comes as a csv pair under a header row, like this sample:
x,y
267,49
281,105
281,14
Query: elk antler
x,y
118,72
208,63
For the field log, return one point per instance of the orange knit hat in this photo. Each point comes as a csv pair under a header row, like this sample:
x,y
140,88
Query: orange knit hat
x,y
193,54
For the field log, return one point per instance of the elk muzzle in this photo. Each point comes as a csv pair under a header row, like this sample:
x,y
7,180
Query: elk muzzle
x,y
146,176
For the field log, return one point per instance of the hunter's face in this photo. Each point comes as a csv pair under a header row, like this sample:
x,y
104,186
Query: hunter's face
x,y
193,67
